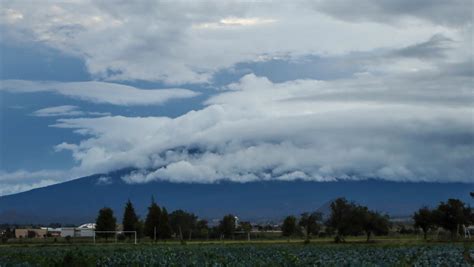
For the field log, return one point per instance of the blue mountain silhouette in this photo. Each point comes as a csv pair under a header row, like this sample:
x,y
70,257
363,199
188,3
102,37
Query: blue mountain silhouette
x,y
79,200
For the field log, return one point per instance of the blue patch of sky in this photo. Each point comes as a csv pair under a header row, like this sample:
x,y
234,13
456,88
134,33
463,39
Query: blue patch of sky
x,y
28,62
282,70
26,141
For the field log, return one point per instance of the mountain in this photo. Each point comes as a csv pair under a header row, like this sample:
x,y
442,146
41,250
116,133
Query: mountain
x,y
78,201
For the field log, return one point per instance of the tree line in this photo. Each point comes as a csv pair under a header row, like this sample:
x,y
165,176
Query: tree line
x,y
451,215
348,218
344,219
159,224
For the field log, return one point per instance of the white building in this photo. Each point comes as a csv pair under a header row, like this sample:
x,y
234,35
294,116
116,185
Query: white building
x,y
85,230
67,231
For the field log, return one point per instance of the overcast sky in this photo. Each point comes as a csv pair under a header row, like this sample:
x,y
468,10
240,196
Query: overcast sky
x,y
201,91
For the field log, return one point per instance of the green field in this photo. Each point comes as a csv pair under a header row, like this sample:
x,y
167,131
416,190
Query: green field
x,y
385,253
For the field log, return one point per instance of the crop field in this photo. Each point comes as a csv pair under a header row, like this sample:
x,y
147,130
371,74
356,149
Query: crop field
x,y
238,255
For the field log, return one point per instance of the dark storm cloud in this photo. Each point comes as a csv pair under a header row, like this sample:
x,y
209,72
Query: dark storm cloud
x,y
455,12
433,48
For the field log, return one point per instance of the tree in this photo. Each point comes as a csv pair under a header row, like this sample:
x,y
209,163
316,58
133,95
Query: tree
x,y
140,226
106,222
152,220
202,229
247,228
452,215
164,227
311,223
289,226
425,220
227,226
130,219
373,222
344,218
182,223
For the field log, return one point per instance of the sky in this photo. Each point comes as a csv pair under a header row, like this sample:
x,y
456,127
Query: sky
x,y
206,91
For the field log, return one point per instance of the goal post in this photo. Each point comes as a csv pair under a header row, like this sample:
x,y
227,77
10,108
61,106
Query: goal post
x,y
116,233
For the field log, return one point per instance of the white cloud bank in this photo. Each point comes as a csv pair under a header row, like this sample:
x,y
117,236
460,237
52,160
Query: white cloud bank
x,y
99,92
406,116
183,42
399,127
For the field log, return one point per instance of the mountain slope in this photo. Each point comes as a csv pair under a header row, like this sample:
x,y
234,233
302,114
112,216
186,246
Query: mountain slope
x,y
78,201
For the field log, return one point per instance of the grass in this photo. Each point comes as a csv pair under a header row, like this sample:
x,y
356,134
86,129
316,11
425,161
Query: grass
x,y
384,251
379,240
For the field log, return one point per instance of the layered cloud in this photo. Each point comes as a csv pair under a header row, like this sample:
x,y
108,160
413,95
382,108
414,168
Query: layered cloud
x,y
21,180
65,111
400,127
453,13
99,92
395,101
181,42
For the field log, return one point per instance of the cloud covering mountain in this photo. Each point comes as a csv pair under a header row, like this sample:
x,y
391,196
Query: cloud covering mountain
x,y
382,89
366,127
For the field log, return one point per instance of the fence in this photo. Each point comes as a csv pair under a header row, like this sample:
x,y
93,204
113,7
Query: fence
x,y
116,233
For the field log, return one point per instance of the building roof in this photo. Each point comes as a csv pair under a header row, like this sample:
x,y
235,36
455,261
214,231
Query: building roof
x,y
87,226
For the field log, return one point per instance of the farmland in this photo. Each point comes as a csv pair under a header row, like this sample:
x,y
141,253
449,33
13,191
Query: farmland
x,y
239,254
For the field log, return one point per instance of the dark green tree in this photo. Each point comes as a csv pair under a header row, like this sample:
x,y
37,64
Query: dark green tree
x,y
311,223
451,215
344,218
183,223
246,227
289,226
140,226
106,222
373,222
227,226
152,221
425,220
202,229
130,219
164,228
